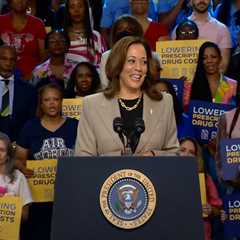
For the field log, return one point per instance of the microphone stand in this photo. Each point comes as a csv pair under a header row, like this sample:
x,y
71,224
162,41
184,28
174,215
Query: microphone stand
x,y
127,148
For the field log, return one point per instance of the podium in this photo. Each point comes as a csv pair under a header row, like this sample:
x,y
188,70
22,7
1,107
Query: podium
x,y
79,211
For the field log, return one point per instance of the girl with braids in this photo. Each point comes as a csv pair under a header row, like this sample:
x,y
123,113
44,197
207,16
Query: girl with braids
x,y
86,43
209,84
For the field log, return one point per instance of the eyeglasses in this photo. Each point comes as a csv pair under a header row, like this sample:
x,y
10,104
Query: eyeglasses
x,y
187,33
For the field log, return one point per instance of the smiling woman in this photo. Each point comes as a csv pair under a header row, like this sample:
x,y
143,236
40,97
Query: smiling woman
x,y
209,84
84,80
129,98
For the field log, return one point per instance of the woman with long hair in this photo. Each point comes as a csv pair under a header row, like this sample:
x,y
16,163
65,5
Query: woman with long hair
x,y
84,80
86,43
128,100
209,84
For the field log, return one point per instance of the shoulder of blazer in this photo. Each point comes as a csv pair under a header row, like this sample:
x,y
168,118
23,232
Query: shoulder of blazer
x,y
96,99
166,99
24,89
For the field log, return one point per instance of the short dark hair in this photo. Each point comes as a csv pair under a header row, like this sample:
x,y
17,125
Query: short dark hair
x,y
134,28
187,22
60,31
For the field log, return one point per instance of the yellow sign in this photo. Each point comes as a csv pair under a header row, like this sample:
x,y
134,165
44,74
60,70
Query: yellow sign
x,y
10,217
179,58
127,199
72,107
42,182
203,192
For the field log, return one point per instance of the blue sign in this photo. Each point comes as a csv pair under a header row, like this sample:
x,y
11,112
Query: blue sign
x,y
204,119
178,86
232,209
230,158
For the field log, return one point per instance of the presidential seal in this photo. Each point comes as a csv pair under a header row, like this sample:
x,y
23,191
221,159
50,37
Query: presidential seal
x,y
127,199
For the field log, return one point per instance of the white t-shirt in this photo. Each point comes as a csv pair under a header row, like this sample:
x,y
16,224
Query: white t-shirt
x,y
19,187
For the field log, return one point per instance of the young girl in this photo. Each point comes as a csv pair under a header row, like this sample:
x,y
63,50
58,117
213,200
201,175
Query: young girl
x,y
190,147
12,181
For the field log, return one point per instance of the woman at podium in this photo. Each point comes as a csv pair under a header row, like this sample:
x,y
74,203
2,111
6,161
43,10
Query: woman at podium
x,y
127,118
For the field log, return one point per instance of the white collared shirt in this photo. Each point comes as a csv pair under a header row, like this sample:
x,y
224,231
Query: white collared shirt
x,y
11,91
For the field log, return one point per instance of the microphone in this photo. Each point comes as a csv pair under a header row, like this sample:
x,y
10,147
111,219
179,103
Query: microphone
x,y
139,128
118,127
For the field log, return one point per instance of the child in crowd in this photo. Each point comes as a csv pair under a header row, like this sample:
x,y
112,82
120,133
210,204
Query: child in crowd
x,y
190,147
12,181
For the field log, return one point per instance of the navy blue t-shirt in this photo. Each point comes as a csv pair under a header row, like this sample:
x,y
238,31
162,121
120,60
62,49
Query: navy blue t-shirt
x,y
44,144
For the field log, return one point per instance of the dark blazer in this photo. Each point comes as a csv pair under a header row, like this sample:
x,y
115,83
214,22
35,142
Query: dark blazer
x,y
24,108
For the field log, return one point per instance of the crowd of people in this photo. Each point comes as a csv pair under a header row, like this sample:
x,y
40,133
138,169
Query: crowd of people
x,y
105,53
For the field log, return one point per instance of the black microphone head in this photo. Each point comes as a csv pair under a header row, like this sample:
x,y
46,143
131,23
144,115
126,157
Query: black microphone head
x,y
118,125
139,125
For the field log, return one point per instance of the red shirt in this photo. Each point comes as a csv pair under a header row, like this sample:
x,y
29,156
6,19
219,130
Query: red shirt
x,y
154,32
25,41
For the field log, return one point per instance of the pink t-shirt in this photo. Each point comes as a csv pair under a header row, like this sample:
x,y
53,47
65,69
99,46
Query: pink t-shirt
x,y
25,41
214,31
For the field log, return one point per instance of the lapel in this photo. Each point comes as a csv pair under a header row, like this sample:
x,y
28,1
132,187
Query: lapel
x,y
151,110
109,109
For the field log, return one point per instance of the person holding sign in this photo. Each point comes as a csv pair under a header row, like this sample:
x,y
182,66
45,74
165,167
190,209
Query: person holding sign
x,y
209,84
49,136
128,100
228,127
190,147
187,30
12,181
